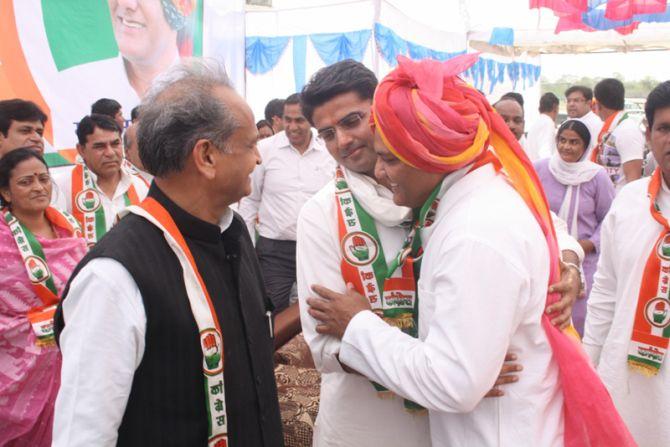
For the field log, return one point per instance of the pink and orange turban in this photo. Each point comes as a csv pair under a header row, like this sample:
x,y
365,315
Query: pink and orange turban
x,y
434,121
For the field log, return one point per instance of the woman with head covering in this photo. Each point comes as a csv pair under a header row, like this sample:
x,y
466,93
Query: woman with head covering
x,y
486,246
580,192
39,248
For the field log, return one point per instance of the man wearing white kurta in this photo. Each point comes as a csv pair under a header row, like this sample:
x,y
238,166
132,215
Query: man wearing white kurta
x,y
541,141
628,235
481,221
578,100
485,266
295,166
101,149
351,412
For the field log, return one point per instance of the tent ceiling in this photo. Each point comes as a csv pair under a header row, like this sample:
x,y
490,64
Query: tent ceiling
x,y
649,37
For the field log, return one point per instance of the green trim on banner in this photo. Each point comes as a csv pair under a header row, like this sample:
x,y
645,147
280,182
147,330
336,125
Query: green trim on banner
x,y
78,31
54,159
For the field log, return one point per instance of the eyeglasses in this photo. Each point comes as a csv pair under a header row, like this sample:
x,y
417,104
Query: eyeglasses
x,y
349,122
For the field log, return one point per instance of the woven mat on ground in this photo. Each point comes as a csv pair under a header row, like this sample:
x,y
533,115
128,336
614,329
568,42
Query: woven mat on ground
x,y
298,388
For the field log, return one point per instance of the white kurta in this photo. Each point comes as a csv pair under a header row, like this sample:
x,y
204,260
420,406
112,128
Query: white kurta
x,y
351,414
627,236
595,125
62,195
541,141
482,292
282,183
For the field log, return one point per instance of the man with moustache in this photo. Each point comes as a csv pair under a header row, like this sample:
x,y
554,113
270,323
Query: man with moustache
x,y
100,187
295,166
578,100
352,411
21,125
164,328
628,313
512,113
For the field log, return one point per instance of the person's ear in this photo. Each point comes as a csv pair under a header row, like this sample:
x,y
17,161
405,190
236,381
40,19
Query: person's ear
x,y
80,150
6,195
647,134
205,157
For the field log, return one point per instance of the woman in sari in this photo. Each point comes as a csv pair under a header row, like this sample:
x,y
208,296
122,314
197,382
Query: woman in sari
x,y
581,193
39,248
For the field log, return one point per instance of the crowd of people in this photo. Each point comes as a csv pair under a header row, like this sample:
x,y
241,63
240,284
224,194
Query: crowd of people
x,y
459,281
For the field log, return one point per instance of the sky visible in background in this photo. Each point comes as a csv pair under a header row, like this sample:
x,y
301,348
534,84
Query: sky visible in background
x,y
633,66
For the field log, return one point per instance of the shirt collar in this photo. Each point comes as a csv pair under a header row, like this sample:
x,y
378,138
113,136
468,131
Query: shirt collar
x,y
125,181
189,225
314,142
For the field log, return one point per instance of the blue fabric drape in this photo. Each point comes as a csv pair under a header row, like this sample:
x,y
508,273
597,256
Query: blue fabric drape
x,y
389,44
502,36
263,53
335,47
596,19
299,61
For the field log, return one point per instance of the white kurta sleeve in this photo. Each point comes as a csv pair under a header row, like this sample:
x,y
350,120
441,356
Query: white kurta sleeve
x,y
467,338
318,261
602,300
250,204
102,345
546,141
61,188
563,238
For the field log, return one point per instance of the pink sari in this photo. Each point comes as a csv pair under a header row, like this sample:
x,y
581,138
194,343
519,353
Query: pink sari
x,y
29,375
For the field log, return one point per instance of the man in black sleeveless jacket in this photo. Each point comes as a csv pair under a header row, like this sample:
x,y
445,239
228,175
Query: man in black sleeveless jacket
x,y
141,355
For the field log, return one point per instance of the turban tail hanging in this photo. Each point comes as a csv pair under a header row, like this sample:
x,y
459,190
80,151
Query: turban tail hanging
x,y
434,121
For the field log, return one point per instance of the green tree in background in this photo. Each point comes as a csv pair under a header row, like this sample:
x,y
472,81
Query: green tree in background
x,y
634,89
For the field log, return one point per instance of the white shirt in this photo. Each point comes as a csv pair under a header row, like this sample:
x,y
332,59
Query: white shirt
x,y
351,413
621,145
595,125
627,236
482,292
62,197
282,183
103,304
541,141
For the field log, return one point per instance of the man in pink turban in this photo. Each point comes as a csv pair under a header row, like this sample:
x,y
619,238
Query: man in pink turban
x,y
485,250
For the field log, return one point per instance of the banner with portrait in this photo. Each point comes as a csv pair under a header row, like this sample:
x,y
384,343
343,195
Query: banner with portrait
x,y
66,54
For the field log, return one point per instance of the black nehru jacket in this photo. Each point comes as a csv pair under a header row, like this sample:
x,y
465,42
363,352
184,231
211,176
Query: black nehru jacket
x,y
166,406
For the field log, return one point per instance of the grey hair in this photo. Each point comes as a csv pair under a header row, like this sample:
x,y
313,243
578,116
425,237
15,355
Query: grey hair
x,y
126,139
180,109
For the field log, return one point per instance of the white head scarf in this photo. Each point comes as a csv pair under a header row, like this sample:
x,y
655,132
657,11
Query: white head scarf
x,y
572,175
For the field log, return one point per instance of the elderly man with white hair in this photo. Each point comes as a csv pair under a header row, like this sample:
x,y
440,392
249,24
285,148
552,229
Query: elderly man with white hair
x,y
163,328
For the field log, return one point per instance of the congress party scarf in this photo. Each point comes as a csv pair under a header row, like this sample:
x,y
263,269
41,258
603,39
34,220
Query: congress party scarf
x,y
392,293
211,338
434,121
651,328
37,269
604,134
87,205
